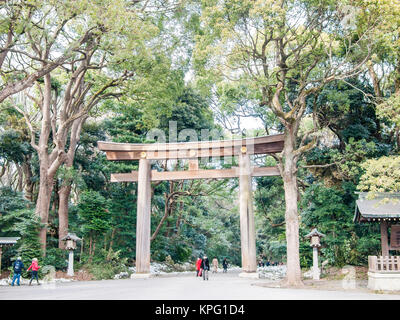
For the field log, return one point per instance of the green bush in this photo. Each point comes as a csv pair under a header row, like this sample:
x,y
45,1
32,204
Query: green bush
x,y
177,248
58,258
105,264
102,271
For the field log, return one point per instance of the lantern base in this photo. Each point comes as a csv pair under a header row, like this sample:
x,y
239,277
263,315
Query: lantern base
x,y
316,273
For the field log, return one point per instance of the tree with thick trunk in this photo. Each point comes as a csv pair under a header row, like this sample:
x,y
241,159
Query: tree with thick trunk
x,y
65,190
284,52
94,65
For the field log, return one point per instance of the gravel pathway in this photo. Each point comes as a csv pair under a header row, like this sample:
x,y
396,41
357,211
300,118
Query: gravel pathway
x,y
221,286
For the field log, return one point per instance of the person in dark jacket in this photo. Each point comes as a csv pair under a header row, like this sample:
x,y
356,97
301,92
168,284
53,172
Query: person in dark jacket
x,y
225,265
18,266
205,266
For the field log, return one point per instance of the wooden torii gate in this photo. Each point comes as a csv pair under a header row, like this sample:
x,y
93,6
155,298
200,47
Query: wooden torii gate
x,y
242,148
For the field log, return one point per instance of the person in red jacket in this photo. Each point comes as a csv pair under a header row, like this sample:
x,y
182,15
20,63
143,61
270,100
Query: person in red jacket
x,y
35,267
198,266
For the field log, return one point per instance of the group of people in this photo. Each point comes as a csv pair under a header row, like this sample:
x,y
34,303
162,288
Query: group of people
x,y
268,263
203,266
18,266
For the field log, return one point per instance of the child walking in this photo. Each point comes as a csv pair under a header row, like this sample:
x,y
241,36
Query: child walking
x,y
35,267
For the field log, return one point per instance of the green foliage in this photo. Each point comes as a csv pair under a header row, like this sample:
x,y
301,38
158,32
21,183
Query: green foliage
x,y
56,257
343,108
270,215
349,160
122,207
345,162
331,211
105,266
28,227
92,209
381,175
390,109
127,126
12,146
17,219
190,111
207,224
10,201
221,225
178,248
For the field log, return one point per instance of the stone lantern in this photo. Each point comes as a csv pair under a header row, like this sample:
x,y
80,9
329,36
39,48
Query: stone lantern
x,y
315,237
70,245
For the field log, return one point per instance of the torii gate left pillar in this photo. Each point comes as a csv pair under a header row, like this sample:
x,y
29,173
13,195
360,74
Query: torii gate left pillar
x,y
247,228
143,217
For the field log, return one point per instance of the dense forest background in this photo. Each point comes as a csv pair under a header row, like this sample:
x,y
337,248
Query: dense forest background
x,y
77,72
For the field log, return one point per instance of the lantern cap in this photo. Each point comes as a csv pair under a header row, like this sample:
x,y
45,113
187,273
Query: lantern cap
x,y
314,232
71,236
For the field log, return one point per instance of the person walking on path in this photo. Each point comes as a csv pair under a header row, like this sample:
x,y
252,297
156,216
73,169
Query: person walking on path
x,y
205,266
225,265
198,267
215,265
17,267
35,267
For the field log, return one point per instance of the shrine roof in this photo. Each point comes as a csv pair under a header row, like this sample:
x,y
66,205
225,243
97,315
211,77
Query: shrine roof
x,y
8,240
377,207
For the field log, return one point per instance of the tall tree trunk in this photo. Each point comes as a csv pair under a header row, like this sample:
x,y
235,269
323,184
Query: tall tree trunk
x,y
56,199
46,179
111,243
375,82
289,174
397,138
20,178
66,188
43,204
3,169
26,167
397,76
378,96
178,220
82,249
64,193
90,245
94,247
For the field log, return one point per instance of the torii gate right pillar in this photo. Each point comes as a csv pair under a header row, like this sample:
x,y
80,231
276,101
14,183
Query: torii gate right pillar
x,y
247,228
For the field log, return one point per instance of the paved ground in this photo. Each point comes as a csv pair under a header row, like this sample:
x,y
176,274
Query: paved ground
x,y
219,287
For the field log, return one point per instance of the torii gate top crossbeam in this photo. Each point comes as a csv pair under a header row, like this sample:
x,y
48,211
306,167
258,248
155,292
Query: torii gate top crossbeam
x,y
192,150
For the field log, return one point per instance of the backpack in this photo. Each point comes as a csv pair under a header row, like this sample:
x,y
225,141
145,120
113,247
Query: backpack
x,y
17,266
